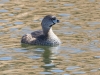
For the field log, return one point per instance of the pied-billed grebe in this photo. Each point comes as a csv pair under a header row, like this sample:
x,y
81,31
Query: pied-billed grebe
x,y
45,37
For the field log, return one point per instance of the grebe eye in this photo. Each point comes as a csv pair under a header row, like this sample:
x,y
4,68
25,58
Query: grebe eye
x,y
53,18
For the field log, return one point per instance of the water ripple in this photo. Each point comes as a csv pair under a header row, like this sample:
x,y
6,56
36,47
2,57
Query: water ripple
x,y
72,67
93,23
79,72
13,29
35,67
19,50
18,23
4,21
1,27
72,50
66,74
3,1
11,14
46,73
98,57
56,70
3,10
17,8
39,50
31,8
91,0
5,58
65,15
69,33
49,65
68,4
94,70
34,57
1,33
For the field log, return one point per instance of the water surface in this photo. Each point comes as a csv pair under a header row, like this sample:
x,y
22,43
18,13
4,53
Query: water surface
x,y
79,31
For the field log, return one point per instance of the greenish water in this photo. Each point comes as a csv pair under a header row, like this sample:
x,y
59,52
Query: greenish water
x,y
79,31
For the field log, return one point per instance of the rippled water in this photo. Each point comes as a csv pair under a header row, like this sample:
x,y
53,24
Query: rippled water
x,y
79,31
3,10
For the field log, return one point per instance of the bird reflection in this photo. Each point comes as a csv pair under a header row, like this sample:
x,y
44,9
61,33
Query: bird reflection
x,y
46,52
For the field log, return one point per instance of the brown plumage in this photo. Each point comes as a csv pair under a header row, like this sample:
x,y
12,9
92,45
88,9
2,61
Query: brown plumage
x,y
43,37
